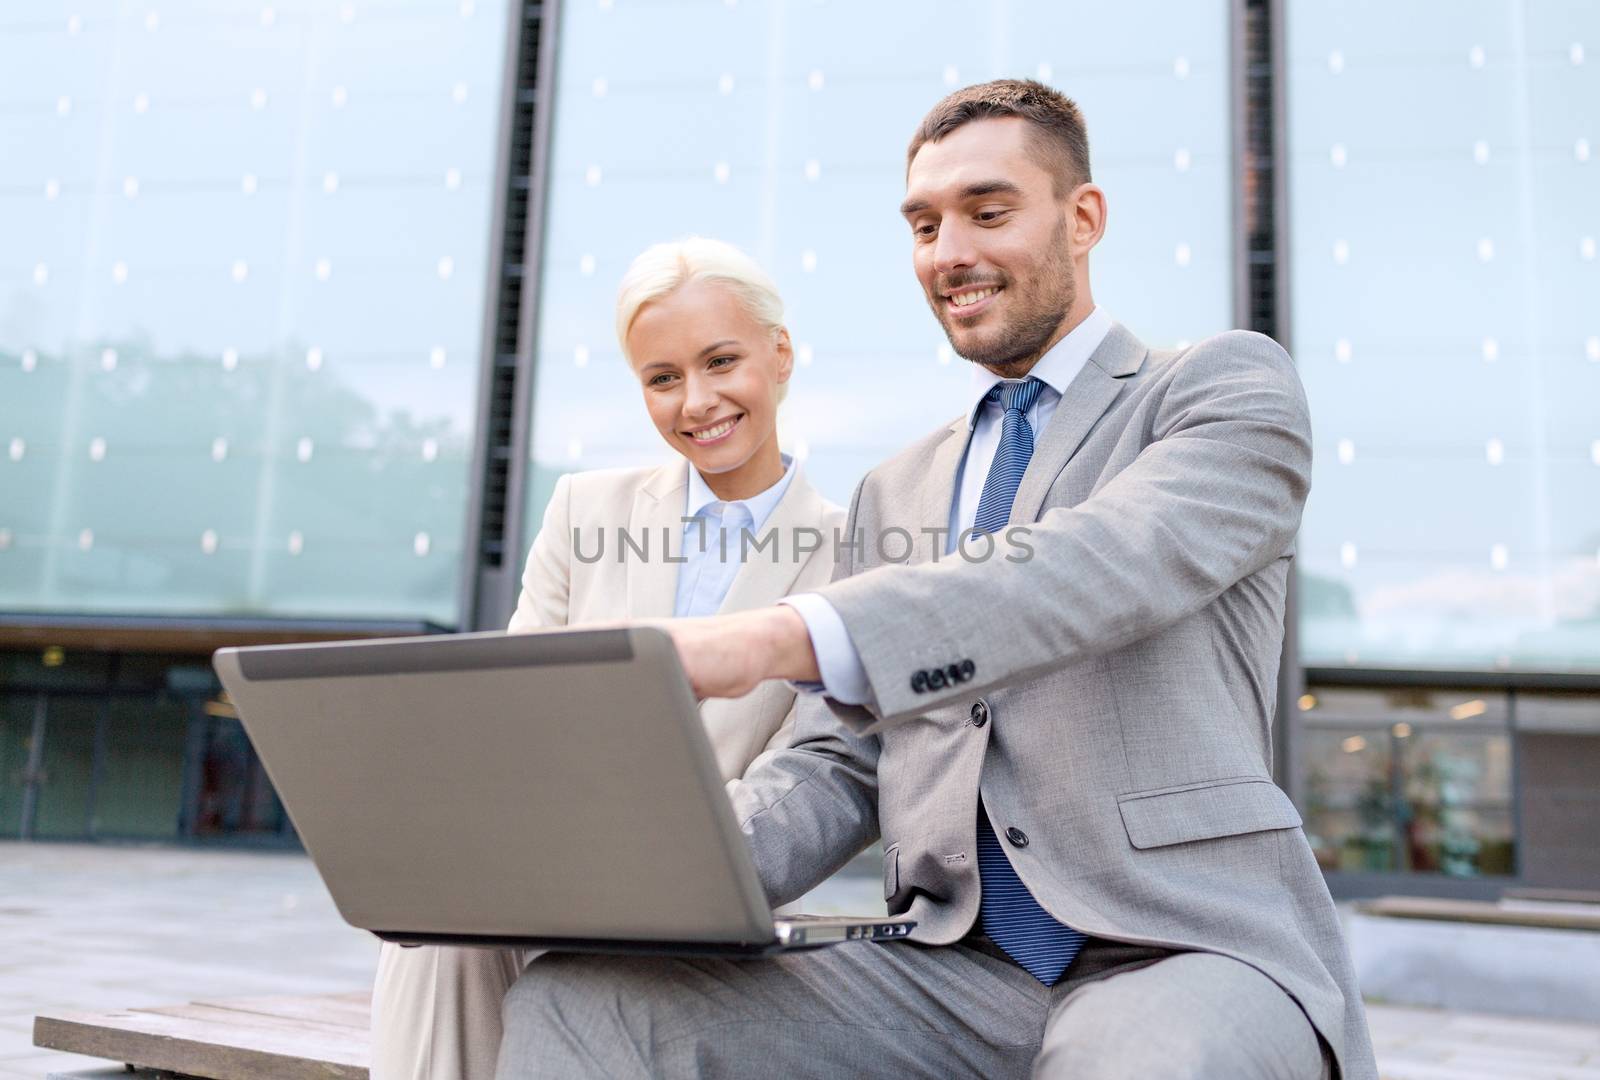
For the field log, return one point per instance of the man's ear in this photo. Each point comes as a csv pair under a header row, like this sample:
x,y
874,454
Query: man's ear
x,y
1086,217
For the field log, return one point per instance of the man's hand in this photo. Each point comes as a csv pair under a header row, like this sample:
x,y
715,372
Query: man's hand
x,y
727,656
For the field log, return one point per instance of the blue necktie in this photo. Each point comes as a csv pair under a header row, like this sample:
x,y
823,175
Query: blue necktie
x,y
1010,915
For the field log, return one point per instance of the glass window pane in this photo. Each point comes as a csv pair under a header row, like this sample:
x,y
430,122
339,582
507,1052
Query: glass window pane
x,y
234,794
243,282
1443,269
756,129
1407,780
141,779
16,739
62,811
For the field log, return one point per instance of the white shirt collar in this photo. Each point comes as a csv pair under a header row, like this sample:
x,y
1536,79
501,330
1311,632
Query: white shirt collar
x,y
760,506
1056,368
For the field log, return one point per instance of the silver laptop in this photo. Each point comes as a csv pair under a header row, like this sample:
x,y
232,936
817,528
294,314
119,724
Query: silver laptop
x,y
551,790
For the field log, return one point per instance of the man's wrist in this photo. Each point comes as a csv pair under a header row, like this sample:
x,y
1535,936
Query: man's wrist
x,y
791,654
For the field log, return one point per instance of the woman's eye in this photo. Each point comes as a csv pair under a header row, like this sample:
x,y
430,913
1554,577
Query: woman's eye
x,y
660,380
721,361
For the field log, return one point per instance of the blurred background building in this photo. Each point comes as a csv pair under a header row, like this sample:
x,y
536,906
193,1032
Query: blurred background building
x,y
305,305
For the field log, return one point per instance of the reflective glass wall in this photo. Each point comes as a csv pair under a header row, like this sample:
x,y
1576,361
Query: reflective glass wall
x,y
241,297
127,746
1408,780
782,126
1445,211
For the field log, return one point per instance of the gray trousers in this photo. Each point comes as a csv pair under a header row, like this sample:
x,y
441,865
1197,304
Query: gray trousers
x,y
905,1010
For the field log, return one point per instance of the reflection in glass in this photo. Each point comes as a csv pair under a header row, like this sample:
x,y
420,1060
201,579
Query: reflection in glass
x,y
66,779
1407,781
16,740
241,295
233,794
140,768
756,129
1442,198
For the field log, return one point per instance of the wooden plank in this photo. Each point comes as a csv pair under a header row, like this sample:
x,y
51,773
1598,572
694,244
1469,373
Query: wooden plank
x,y
225,1021
1480,911
345,1010
1557,896
221,1044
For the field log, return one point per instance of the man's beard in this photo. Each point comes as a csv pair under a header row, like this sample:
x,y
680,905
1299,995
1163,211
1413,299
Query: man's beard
x,y
1022,340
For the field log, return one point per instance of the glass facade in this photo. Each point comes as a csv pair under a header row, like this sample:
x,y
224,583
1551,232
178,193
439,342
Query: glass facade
x,y
242,288
126,747
1444,276
756,128
1408,780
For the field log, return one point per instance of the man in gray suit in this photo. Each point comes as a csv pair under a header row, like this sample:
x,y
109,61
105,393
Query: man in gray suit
x,y
1098,692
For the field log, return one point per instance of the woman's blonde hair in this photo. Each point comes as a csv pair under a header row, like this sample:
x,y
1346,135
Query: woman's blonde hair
x,y
662,269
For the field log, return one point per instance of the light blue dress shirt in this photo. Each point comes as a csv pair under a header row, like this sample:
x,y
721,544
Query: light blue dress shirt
x,y
713,541
843,677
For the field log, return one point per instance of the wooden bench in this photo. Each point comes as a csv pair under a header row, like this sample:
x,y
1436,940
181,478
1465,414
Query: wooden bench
x,y
1553,914
286,1038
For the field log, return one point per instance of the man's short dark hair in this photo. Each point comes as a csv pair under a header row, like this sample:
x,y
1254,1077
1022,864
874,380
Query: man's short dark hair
x,y
1061,142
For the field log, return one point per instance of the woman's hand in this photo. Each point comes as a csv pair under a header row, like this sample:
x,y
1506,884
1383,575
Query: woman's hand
x,y
727,656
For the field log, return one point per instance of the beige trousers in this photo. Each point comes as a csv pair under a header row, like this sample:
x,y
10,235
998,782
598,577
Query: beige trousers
x,y
436,1010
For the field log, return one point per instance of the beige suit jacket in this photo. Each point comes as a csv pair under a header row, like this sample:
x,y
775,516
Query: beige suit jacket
x,y
566,587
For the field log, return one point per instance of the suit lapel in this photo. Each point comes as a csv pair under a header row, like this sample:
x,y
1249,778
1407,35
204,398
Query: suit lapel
x,y
657,505
939,489
760,581
1087,398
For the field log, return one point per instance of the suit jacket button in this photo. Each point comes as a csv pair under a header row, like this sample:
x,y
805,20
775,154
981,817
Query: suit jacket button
x,y
936,679
980,714
953,673
919,682
968,669
1017,837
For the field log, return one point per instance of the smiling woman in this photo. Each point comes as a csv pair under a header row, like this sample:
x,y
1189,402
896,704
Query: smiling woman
x,y
702,327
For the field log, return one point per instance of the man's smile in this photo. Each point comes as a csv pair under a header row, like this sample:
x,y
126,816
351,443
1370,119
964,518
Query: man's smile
x,y
966,303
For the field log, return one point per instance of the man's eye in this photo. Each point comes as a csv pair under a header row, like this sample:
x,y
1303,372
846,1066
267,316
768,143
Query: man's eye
x,y
991,215
924,232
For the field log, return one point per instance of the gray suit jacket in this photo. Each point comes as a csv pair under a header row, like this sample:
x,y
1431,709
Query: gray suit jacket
x,y
1127,673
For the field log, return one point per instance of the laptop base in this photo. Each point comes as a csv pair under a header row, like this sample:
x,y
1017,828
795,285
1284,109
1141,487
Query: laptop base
x,y
801,932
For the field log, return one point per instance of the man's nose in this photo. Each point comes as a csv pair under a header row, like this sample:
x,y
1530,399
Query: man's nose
x,y
953,249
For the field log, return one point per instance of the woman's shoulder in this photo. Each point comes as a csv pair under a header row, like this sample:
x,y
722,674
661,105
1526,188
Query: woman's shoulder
x,y
603,490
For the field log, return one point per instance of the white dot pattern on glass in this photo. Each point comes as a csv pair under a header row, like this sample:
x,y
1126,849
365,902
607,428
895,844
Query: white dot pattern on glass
x,y
215,247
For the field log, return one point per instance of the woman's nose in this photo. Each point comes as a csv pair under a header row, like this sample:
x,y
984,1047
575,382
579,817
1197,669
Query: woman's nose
x,y
700,399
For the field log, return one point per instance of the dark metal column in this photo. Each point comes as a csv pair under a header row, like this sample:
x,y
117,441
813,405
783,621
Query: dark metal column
x,y
493,542
1260,261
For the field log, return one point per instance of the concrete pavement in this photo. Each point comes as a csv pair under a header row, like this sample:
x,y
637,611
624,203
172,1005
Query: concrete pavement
x,y
100,927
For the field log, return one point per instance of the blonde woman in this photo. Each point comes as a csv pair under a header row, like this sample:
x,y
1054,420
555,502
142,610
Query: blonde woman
x,y
702,328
